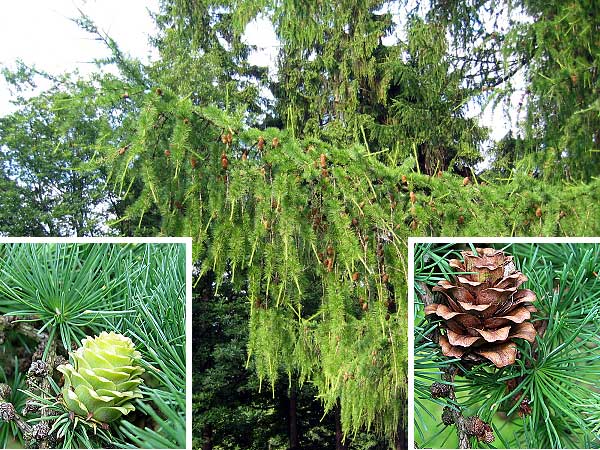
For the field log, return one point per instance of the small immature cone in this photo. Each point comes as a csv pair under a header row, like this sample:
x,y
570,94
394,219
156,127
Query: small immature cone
x,y
447,416
483,312
438,390
40,431
5,391
524,408
7,412
474,426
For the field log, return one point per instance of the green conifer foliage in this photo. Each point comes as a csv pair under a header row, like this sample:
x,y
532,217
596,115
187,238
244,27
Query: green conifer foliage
x,y
563,108
547,53
202,57
289,220
345,76
307,221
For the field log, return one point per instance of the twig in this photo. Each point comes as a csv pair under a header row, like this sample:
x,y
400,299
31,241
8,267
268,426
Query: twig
x,y
427,298
427,295
459,419
8,414
51,356
38,377
24,328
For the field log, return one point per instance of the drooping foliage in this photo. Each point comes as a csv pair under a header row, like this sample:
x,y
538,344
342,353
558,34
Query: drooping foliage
x,y
228,409
345,76
248,211
317,235
314,231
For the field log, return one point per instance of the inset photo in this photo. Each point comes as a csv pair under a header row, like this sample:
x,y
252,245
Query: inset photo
x,y
93,344
506,343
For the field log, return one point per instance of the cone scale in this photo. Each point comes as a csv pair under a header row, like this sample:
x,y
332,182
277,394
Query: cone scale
x,y
484,311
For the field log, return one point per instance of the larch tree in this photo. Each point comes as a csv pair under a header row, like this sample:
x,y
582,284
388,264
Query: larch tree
x,y
307,222
312,228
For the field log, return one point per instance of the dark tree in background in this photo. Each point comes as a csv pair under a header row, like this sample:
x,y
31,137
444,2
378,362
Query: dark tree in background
x,y
548,53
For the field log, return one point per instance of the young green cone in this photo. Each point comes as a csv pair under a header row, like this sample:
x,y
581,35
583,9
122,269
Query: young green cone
x,y
104,378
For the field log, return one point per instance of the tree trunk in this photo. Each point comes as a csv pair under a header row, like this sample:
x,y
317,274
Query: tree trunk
x,y
207,434
401,439
293,418
339,435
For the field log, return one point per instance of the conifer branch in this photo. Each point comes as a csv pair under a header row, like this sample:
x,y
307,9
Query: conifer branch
x,y
457,417
427,298
24,328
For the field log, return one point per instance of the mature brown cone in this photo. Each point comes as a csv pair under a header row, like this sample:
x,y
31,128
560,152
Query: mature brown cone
x,y
484,311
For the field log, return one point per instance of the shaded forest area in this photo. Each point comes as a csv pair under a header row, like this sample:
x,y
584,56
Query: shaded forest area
x,y
301,185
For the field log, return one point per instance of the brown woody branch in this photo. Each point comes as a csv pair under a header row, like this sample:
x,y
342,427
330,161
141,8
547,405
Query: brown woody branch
x,y
24,328
427,298
459,419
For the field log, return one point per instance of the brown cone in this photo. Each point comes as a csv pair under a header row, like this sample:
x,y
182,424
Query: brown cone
x,y
484,311
487,436
438,390
447,416
474,426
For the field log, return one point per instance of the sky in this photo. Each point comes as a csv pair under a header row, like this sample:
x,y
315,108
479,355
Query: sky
x,y
40,33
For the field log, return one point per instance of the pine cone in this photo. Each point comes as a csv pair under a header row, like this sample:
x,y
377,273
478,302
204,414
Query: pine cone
x,y
7,411
487,436
484,311
5,391
438,390
104,379
447,416
40,431
474,426
38,369
524,408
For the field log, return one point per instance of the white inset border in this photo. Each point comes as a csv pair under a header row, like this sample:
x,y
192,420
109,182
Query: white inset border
x,y
188,295
411,295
